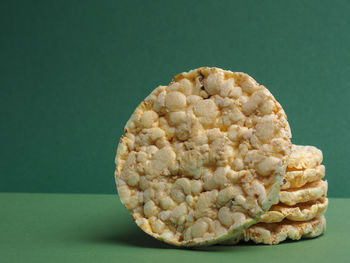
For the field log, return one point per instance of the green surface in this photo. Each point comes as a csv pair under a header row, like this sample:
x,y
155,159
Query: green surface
x,y
97,228
71,73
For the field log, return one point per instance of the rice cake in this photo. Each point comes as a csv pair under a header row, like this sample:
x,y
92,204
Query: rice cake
x,y
275,233
299,212
305,157
308,192
298,178
203,158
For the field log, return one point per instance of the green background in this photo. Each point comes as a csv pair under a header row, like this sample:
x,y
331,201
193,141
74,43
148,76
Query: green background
x,y
71,73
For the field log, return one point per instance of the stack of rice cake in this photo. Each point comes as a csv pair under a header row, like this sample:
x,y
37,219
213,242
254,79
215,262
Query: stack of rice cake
x,y
302,202
203,159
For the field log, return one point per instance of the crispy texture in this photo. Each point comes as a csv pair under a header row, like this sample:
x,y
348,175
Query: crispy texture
x,y
299,212
304,157
308,192
299,178
203,158
275,233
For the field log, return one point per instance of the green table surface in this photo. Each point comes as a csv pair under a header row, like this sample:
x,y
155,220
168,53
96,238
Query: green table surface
x,y
97,228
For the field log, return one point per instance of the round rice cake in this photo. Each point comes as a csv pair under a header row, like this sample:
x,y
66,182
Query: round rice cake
x,y
304,157
299,212
299,178
308,192
203,158
275,233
